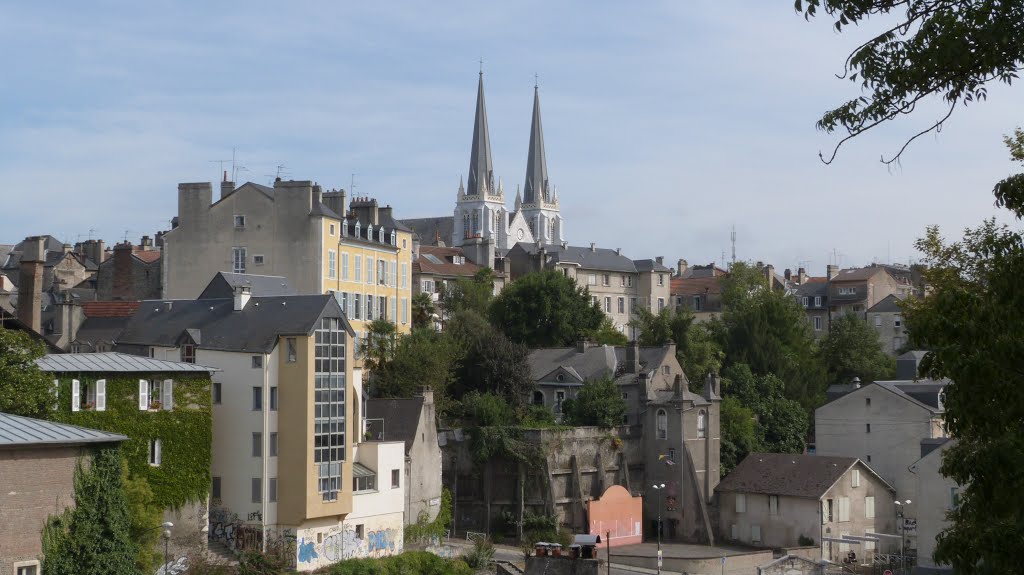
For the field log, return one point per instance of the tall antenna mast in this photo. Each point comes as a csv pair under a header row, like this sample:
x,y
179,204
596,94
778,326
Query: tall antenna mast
x,y
733,235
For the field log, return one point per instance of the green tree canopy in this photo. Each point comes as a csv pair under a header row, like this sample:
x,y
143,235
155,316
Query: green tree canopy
x,y
469,294
697,348
490,362
94,537
924,49
852,349
423,358
782,424
739,433
972,322
422,310
545,309
24,388
598,403
378,347
607,334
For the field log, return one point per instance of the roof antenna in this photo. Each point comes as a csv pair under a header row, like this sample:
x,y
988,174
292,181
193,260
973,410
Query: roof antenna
x,y
733,235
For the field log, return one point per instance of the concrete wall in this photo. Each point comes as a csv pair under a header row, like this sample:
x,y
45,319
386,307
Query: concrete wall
x,y
422,479
735,563
936,500
562,565
143,279
891,336
892,445
37,483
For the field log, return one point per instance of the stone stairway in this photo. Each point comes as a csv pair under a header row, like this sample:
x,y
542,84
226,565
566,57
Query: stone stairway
x,y
219,553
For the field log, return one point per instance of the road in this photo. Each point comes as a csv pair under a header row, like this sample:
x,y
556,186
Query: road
x,y
514,555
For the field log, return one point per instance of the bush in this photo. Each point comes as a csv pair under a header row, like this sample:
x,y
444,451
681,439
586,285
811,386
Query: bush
x,y
481,555
408,563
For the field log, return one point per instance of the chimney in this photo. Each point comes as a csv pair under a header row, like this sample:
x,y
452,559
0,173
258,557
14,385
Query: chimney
x,y
335,200
385,213
428,395
318,195
226,186
67,248
856,382
788,274
677,387
618,251
801,276
633,357
660,260
769,274
366,210
681,266
593,247
122,284
242,295
832,271
30,282
581,345
147,243
93,250
711,386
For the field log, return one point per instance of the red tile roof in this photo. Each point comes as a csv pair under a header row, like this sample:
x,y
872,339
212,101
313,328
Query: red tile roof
x,y
445,267
697,286
148,256
110,308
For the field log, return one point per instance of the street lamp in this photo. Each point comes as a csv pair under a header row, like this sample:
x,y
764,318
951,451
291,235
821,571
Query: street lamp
x,y
660,488
167,525
900,507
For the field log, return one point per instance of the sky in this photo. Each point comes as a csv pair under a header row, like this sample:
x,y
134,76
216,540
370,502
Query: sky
x,y
666,123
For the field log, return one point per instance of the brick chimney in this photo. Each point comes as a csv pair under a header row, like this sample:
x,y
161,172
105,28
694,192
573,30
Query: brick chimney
x,y
226,186
30,282
147,243
660,260
366,210
122,284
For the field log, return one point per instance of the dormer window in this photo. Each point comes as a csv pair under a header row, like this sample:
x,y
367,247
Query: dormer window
x,y
344,228
358,229
393,238
380,234
369,231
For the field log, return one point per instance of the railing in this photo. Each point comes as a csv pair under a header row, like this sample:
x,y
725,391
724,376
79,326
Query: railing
x,y
473,536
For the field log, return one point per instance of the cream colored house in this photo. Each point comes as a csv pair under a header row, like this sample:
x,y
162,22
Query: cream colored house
x,y
883,424
783,500
938,496
286,424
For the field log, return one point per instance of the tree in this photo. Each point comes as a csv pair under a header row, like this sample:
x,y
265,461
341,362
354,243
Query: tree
x,y
94,537
423,358
545,309
739,433
655,329
599,403
782,424
852,349
699,354
24,388
607,334
422,310
145,516
767,331
469,294
490,361
928,48
378,347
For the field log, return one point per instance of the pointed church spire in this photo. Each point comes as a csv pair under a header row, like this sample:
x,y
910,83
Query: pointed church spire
x,y
519,199
536,189
480,168
462,189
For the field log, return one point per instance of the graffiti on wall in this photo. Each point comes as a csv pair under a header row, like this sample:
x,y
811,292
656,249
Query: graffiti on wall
x,y
319,548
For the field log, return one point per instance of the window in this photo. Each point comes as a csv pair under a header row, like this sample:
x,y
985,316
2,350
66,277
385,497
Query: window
x,y
878,320
702,430
257,398
867,428
273,398
632,304
344,266
272,489
661,303
257,444
257,259
897,320
26,568
239,221
869,507
188,353
661,279
332,264
844,509
369,270
364,483
154,452
154,395
360,531
356,305
405,275
773,504
273,444
369,307
629,281
826,511
817,301
606,279
89,396
257,362
622,305
331,229
559,398
405,310
257,490
538,397
671,453
608,305
382,303
396,477
293,353
359,268
329,406
591,280
382,272
698,303
662,424
867,401
847,291
666,369
803,301
344,227
215,490
216,392
741,503
622,281
855,478
238,260
817,323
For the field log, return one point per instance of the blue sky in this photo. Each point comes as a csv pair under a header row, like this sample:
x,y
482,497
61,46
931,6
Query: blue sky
x,y
666,123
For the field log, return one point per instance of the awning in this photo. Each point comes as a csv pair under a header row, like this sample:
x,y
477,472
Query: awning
x,y
360,470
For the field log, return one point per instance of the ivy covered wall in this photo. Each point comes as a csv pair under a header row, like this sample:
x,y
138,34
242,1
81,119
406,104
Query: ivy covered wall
x,y
185,432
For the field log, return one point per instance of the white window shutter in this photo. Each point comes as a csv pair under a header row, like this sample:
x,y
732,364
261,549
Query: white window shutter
x,y
869,507
101,395
168,391
159,457
143,395
76,395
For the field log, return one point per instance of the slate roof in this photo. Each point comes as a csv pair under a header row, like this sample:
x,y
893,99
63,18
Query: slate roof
x,y
253,329
811,289
428,228
401,418
858,274
924,392
437,260
650,266
890,304
113,362
602,259
96,330
790,475
594,363
224,283
18,431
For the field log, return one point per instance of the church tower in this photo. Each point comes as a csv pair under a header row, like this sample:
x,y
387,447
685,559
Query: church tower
x,y
540,201
480,213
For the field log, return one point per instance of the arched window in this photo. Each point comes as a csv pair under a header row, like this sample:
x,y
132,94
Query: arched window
x,y
538,397
497,221
702,430
476,222
551,230
465,225
662,424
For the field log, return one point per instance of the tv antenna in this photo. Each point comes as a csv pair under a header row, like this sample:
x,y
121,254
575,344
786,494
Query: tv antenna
x,y
733,237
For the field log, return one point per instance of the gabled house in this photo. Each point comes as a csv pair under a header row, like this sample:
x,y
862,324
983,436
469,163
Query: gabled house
x,y
858,289
812,295
938,496
781,500
886,318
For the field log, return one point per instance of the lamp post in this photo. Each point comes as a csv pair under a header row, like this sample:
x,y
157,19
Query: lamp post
x,y
166,526
900,513
660,488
